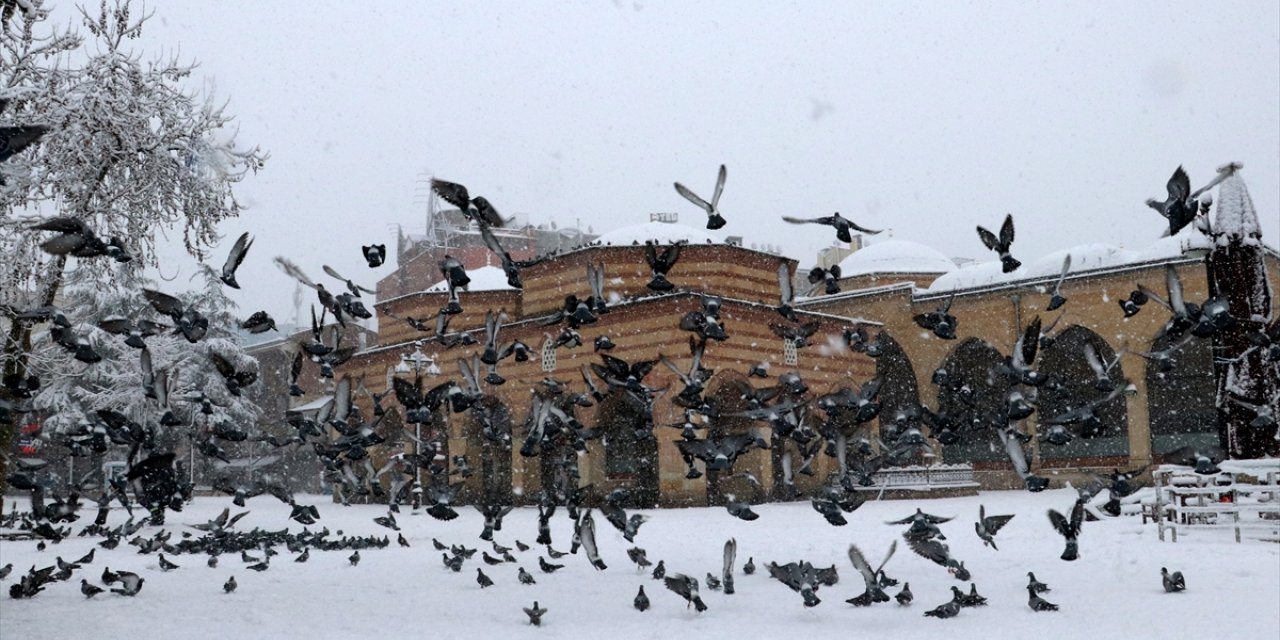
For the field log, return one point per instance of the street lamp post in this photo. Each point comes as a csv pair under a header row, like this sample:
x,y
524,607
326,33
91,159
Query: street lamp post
x,y
418,363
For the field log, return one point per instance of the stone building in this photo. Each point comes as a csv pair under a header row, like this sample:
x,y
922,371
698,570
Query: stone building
x,y
884,286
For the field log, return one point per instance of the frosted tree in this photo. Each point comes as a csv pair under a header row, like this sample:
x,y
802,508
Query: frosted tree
x,y
130,152
1244,367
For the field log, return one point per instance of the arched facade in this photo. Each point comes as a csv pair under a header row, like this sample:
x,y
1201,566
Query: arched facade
x,y
628,459
973,367
1180,397
1071,385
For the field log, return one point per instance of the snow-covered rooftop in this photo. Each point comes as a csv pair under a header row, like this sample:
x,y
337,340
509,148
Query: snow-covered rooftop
x,y
660,232
1086,257
895,256
1236,217
488,278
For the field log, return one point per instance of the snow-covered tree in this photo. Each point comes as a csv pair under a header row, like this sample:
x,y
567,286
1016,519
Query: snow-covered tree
x,y
1246,373
131,152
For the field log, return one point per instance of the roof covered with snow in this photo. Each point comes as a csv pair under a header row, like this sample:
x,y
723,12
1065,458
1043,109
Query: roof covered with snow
x,y
660,232
895,256
1085,257
488,278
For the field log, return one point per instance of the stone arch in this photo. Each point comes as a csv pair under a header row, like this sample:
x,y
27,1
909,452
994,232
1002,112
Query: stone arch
x,y
975,365
486,421
898,389
723,393
1180,401
1070,386
629,458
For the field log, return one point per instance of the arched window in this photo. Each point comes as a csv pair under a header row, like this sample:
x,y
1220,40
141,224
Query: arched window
x,y
974,367
898,389
627,457
1180,397
1070,386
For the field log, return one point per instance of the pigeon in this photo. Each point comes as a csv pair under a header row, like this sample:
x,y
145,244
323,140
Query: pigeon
x,y
304,556
714,219
971,599
165,565
1133,304
1001,244
238,251
637,556
1035,585
641,603
940,322
89,590
1070,529
525,577
1173,582
946,610
374,254
713,583
750,567
841,224
687,588
477,209
1180,206
740,510
352,287
1056,299
535,614
86,558
6,570
1037,603
873,593
726,572
904,597
259,322
547,567
482,579
801,577
266,564
453,563
130,583
660,571
230,585
354,558
14,139
659,265
786,295
212,562
587,534
987,527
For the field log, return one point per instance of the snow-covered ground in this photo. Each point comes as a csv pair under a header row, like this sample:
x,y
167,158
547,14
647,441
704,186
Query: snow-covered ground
x,y
1112,591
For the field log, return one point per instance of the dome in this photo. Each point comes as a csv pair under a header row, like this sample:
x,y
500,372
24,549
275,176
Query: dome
x,y
660,232
895,256
488,278
1085,257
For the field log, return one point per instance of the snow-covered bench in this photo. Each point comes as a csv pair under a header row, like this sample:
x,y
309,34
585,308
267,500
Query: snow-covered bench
x,y
917,478
1245,496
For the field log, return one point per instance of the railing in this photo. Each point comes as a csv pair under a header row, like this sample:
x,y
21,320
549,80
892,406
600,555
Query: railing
x,y
921,478
1186,500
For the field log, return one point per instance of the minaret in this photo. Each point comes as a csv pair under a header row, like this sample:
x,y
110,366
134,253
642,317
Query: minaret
x,y
1237,273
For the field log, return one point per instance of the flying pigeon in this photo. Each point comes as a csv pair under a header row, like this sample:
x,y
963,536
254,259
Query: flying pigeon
x,y
687,588
238,252
535,614
374,254
1001,244
841,224
1070,529
1180,206
987,527
714,219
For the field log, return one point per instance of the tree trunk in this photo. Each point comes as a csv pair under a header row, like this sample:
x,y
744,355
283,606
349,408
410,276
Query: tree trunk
x,y
1238,275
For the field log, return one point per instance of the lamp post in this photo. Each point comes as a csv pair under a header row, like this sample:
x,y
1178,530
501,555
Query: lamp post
x,y
418,363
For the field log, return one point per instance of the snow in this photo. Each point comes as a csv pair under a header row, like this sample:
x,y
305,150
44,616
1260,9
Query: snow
x,y
660,232
1188,239
1084,257
1113,591
895,256
977,275
487,278
1236,218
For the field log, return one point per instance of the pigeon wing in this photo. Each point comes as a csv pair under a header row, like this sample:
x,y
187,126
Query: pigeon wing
x,y
693,197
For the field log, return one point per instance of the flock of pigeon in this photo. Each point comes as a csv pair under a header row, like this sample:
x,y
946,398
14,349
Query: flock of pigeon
x,y
342,438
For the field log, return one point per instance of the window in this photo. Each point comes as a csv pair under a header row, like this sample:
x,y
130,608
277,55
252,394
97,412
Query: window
x,y
548,356
790,355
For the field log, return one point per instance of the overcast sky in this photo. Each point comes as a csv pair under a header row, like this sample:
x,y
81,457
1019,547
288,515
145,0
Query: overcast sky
x,y
927,119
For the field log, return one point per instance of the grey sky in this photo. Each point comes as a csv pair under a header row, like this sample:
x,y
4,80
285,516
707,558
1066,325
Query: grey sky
x,y
925,118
